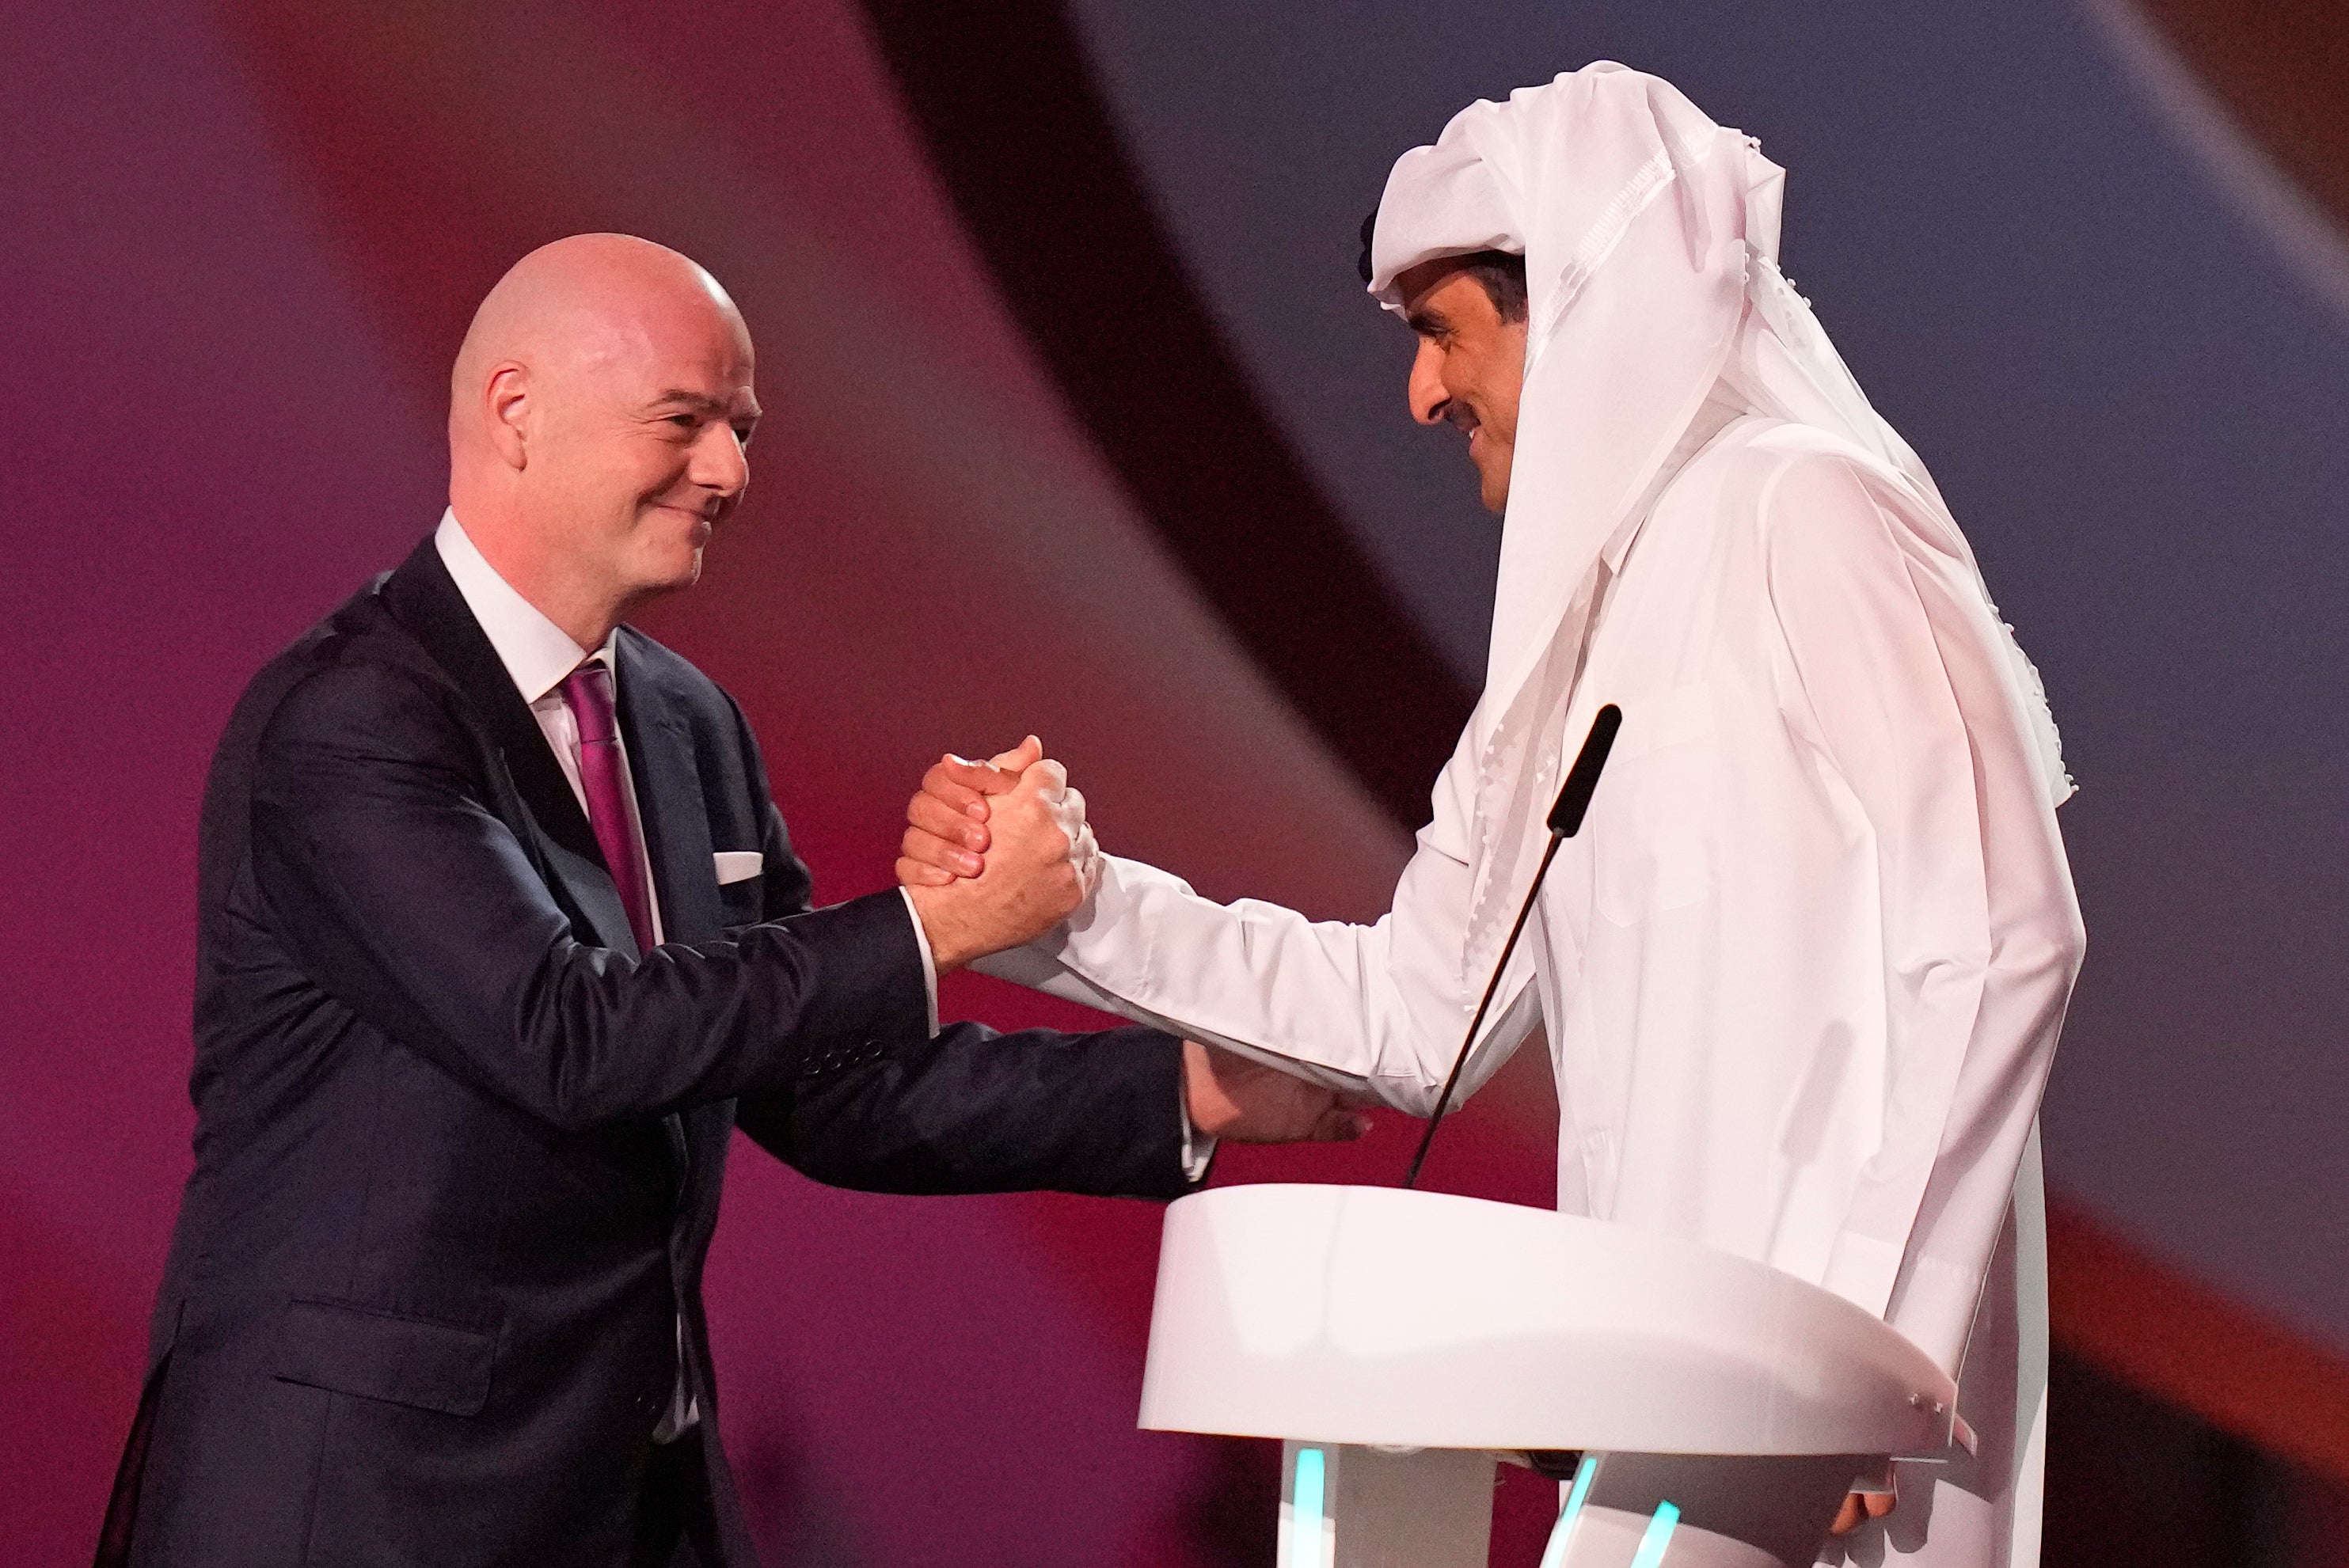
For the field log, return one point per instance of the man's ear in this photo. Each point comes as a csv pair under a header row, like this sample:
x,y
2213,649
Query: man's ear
x,y
507,406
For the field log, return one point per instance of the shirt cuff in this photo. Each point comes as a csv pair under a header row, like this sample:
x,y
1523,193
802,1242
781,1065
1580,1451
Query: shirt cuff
x,y
930,970
1198,1149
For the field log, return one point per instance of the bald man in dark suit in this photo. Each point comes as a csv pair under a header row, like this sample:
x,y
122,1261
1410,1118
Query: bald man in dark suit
x,y
501,937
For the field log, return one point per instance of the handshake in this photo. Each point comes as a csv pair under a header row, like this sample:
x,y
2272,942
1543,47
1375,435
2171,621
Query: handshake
x,y
997,853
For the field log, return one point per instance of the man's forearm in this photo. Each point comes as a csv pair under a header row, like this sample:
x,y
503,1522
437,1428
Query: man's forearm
x,y
1367,1008
969,1110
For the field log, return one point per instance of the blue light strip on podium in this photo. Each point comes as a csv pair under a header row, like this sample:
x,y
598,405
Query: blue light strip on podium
x,y
1659,1536
1562,1533
1306,1511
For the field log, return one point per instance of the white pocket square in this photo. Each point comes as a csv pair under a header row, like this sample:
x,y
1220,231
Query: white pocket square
x,y
737,865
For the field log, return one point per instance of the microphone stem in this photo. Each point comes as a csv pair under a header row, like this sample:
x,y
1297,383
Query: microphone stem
x,y
1500,967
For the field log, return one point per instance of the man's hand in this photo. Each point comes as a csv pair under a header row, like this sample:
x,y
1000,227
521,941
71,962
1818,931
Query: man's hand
x,y
946,834
1039,858
1858,1506
1245,1101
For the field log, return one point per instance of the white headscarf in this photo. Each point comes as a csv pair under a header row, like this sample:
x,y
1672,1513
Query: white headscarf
x,y
1650,240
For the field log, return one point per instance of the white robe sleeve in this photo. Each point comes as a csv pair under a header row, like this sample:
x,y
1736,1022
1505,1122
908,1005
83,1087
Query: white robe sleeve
x,y
1894,672
1374,1009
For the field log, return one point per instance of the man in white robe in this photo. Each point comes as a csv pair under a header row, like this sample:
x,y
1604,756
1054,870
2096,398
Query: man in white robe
x,y
1804,968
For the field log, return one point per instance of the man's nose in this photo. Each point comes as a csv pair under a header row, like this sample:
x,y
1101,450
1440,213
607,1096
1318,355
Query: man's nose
x,y
1426,389
720,463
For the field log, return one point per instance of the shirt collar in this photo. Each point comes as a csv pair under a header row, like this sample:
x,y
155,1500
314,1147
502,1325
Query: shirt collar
x,y
537,654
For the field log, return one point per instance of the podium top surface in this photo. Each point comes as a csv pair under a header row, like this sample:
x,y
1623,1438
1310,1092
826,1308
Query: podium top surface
x,y
1373,1315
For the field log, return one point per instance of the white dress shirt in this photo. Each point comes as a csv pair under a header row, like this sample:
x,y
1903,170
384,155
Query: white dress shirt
x,y
540,655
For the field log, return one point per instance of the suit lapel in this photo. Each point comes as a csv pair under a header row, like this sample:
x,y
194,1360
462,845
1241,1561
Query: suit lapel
x,y
423,598
675,824
669,797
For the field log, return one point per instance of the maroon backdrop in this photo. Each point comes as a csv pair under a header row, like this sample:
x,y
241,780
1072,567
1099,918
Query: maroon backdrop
x,y
238,242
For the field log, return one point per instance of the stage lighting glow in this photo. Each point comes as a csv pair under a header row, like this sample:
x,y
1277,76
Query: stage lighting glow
x,y
1660,1526
1306,1512
1562,1533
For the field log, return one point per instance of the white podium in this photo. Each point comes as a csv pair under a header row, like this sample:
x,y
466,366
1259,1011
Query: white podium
x,y
1402,1341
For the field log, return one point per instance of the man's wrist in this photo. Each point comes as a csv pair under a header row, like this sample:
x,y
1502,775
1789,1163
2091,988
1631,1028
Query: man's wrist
x,y
934,916
1198,1147
929,959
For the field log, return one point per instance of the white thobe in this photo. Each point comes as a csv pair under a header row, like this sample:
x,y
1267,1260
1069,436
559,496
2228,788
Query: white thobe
x,y
1802,968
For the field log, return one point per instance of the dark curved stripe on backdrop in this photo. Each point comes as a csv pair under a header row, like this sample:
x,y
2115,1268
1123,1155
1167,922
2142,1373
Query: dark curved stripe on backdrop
x,y
2279,67
1006,102
2118,1308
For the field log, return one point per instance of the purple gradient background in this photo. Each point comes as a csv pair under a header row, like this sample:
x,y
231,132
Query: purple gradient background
x,y
220,410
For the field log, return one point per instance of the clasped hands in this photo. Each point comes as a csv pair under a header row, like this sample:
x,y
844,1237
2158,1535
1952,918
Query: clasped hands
x,y
997,853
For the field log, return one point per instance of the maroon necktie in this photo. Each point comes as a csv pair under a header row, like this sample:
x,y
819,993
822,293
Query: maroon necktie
x,y
587,693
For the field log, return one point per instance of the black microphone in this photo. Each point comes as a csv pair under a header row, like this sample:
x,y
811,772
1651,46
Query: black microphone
x,y
1564,821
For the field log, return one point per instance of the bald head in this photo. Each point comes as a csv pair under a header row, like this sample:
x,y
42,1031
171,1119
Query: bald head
x,y
597,415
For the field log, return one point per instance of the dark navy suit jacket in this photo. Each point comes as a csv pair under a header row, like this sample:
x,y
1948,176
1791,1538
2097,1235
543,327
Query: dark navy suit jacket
x,y
458,1145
